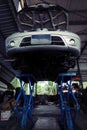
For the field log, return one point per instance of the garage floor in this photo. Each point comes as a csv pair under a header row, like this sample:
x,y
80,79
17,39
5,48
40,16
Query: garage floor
x,y
46,117
81,122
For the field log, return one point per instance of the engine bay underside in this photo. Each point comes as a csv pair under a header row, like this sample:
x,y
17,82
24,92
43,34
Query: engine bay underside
x,y
43,65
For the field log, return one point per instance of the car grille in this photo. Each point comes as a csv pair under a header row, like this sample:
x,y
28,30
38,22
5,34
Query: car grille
x,y
55,40
25,42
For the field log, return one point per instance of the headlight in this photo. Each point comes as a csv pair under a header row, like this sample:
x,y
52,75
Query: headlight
x,y
12,43
72,42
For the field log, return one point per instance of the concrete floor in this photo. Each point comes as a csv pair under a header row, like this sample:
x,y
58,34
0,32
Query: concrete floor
x,y
81,121
46,117
46,110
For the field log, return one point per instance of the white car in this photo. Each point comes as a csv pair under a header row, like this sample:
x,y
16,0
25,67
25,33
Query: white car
x,y
43,53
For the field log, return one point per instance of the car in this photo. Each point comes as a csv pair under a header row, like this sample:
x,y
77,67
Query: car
x,y
43,53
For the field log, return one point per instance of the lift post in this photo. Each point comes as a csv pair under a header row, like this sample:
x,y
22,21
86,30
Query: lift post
x,y
24,112
68,103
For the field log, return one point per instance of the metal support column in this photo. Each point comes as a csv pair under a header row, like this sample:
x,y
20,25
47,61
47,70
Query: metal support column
x,y
24,112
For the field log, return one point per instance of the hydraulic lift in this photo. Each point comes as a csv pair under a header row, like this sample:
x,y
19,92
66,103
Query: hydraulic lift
x,y
24,112
68,103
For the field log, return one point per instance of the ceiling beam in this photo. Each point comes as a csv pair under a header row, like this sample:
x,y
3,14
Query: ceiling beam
x,y
75,22
2,35
77,11
14,12
83,47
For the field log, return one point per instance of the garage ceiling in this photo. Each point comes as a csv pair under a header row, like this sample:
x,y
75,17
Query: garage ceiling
x,y
9,24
